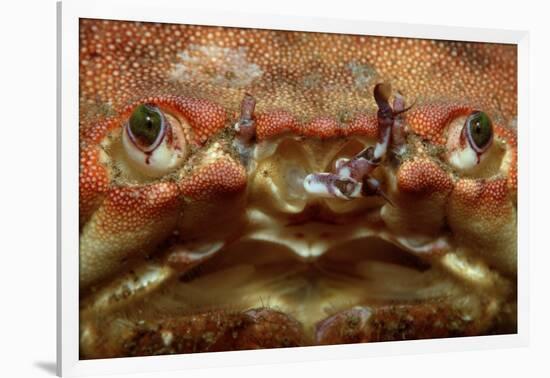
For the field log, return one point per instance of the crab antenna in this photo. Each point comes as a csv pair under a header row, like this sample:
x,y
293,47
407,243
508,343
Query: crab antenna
x,y
245,126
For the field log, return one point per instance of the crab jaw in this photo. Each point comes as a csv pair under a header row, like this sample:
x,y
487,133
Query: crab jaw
x,y
306,283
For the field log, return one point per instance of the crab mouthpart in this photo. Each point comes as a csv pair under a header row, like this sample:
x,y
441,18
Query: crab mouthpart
x,y
259,284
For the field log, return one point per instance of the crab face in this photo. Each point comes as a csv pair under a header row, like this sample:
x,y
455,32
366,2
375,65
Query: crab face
x,y
248,189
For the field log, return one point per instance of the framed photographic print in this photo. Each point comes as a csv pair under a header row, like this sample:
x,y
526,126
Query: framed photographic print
x,y
239,189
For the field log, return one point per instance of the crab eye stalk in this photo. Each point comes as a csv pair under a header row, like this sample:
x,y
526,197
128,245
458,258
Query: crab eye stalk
x,y
479,131
154,142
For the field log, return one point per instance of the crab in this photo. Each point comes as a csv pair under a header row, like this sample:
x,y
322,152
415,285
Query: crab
x,y
245,189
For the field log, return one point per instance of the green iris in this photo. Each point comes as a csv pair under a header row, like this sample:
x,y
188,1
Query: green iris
x,y
146,124
480,129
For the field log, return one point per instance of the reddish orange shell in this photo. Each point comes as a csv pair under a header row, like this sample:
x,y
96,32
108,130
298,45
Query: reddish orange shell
x,y
423,176
224,176
429,121
93,181
488,198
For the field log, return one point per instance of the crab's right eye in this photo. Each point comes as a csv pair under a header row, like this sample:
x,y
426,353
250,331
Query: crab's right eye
x,y
479,131
469,141
152,143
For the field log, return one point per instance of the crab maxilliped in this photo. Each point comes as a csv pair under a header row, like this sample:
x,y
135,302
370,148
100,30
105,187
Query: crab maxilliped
x,y
245,188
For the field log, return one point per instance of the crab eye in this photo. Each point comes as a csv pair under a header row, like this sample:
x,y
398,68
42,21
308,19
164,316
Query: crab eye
x,y
479,131
154,142
146,125
469,141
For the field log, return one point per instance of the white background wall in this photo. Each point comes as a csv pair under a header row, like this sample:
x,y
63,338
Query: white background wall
x,y
27,187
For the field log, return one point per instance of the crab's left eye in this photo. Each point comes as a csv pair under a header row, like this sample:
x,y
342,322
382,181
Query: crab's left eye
x,y
479,131
146,126
154,142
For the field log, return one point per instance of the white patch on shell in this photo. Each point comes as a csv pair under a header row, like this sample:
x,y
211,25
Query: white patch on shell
x,y
221,66
362,74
